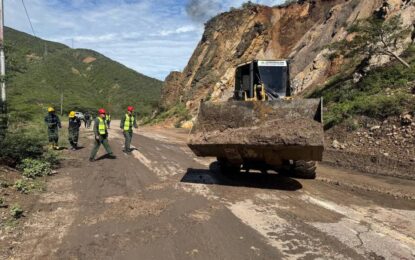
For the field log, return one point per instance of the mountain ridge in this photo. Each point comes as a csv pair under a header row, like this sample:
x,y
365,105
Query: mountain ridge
x,y
40,71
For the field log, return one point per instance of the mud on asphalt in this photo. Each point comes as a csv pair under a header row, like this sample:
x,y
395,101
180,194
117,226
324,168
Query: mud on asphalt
x,y
161,202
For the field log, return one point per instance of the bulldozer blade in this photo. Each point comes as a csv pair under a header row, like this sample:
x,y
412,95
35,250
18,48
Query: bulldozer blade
x,y
271,131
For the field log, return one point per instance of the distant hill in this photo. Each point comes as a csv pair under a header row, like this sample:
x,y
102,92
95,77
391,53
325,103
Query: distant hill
x,y
39,71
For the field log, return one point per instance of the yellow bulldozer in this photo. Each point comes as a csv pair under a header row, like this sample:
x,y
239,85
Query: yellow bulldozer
x,y
261,127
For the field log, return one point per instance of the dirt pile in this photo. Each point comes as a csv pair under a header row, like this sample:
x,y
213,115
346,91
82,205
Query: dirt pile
x,y
307,133
258,128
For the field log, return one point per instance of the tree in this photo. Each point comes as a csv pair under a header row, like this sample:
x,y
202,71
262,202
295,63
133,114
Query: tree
x,y
248,4
374,37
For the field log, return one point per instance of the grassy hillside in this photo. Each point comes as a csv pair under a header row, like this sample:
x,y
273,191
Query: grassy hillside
x,y
385,91
87,79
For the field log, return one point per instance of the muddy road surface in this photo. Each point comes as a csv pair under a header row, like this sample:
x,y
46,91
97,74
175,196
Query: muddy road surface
x,y
161,202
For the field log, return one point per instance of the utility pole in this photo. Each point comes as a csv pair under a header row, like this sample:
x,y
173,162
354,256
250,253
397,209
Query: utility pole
x,y
2,57
3,104
61,101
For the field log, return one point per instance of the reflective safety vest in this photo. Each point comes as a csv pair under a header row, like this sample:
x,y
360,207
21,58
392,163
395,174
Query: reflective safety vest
x,y
128,123
108,117
102,126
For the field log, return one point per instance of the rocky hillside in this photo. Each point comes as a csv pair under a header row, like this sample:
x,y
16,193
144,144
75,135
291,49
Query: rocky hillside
x,y
40,71
300,31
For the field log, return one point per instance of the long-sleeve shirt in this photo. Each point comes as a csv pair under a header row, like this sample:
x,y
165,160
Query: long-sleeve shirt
x,y
133,123
74,123
96,127
53,121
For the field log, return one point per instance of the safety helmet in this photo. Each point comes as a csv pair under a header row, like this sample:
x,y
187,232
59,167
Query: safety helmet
x,y
130,108
51,109
72,114
101,111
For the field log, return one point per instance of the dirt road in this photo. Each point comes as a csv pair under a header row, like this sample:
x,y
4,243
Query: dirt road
x,y
163,203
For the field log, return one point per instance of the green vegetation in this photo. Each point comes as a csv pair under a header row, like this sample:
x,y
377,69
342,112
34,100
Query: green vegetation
x,y
178,111
16,211
22,143
39,71
25,185
33,168
87,80
373,37
383,92
22,186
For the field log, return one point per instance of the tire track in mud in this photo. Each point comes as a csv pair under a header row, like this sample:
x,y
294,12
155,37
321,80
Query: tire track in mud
x,y
286,221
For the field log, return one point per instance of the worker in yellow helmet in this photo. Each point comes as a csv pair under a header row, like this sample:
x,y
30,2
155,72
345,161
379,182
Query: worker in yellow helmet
x,y
53,123
73,130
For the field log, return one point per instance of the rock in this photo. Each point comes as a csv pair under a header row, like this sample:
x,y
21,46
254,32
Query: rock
x,y
406,119
357,77
189,104
386,154
412,160
374,128
336,144
187,124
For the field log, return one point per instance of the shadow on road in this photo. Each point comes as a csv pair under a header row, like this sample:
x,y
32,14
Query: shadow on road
x,y
105,156
243,179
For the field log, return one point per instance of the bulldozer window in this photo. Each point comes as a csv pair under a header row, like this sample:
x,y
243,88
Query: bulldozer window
x,y
275,79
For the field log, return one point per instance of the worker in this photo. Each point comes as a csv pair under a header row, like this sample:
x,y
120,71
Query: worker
x,y
108,119
87,119
128,121
101,136
73,130
53,123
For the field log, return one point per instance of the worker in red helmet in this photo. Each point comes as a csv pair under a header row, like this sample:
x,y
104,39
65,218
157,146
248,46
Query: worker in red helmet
x,y
101,136
128,121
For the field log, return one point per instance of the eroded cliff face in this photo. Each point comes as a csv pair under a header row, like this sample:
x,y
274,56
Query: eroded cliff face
x,y
300,32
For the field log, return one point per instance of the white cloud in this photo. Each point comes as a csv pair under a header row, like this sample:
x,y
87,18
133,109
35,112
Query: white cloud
x,y
150,36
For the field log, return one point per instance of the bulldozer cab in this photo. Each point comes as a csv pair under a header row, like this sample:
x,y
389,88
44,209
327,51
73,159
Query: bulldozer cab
x,y
262,80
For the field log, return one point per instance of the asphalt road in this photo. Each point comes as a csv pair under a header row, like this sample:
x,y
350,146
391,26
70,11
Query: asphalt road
x,y
163,203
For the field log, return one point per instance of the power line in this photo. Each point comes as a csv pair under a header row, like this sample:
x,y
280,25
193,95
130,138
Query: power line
x,y
28,18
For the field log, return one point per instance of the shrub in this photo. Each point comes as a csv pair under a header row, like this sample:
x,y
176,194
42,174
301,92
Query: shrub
x,y
22,185
248,4
16,211
33,168
18,146
51,157
26,186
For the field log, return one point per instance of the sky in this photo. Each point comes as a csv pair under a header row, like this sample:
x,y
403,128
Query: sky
x,y
152,37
